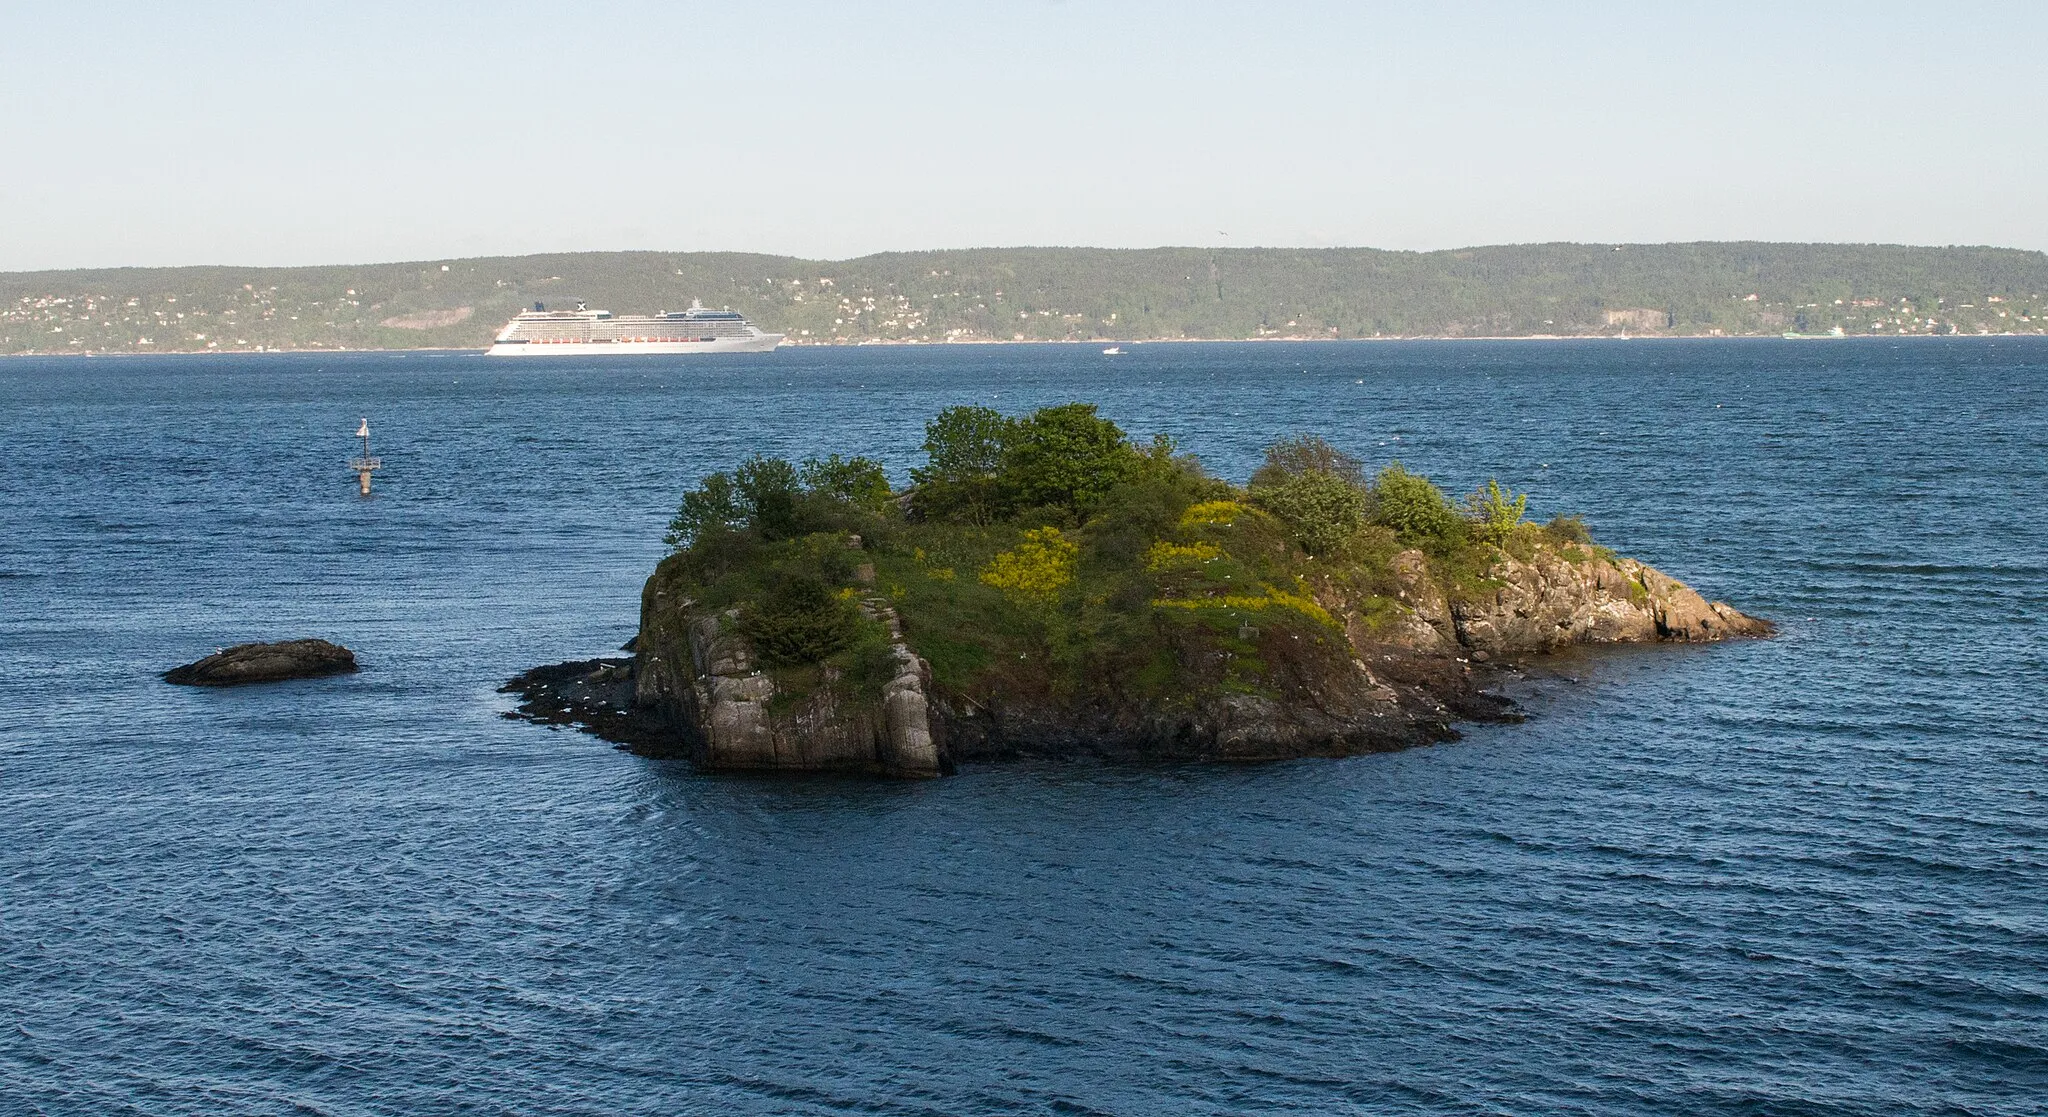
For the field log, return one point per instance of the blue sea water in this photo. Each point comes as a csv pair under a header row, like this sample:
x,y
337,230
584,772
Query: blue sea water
x,y
1805,875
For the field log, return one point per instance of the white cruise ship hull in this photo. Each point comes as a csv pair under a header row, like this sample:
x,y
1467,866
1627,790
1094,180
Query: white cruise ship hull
x,y
759,344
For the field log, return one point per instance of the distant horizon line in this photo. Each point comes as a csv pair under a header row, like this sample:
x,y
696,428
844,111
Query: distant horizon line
x,y
1214,248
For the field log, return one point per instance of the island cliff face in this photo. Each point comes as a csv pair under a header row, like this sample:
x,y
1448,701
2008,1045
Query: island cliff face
x,y
1401,684
700,676
1553,600
1046,587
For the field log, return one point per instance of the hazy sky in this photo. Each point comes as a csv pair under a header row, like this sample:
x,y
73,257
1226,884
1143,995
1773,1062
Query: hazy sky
x,y
280,133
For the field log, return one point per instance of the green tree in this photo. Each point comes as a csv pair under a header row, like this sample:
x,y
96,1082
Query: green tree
x,y
713,505
965,442
1317,489
1065,456
799,620
963,450
768,489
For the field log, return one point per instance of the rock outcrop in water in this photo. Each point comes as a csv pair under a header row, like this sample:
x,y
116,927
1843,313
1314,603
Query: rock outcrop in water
x,y
1554,599
1403,685
695,687
265,663
1077,596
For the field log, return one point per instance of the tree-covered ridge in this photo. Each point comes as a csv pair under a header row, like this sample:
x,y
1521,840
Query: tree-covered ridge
x,y
1049,294
1050,554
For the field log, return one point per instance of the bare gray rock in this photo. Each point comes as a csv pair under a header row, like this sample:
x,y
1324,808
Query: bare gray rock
x,y
265,663
1554,599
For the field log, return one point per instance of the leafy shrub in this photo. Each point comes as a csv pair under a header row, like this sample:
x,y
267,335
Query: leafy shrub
x,y
1495,512
1306,453
1161,461
1036,569
1052,466
1322,509
1130,518
858,481
799,620
1315,488
1415,508
1568,529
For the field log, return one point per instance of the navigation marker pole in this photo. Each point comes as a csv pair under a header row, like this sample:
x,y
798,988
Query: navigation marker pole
x,y
363,466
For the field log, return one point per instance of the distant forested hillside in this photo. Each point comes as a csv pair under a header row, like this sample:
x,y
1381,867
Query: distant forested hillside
x,y
1052,294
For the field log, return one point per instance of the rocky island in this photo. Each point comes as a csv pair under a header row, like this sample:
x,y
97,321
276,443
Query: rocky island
x,y
1047,586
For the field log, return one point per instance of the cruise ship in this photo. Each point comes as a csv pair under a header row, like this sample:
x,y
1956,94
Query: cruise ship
x,y
541,332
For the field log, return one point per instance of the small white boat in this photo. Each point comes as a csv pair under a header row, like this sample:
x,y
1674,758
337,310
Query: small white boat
x,y
1113,351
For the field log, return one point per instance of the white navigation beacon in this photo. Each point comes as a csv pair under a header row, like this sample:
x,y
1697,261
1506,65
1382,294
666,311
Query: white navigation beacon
x,y
364,465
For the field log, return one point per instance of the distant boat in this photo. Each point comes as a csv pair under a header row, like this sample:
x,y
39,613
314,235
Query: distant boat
x,y
1795,335
1113,351
555,333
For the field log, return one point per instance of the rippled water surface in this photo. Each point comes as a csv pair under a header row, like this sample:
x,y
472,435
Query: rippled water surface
x,y
1808,875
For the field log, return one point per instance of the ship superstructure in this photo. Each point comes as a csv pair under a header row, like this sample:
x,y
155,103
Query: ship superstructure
x,y
541,332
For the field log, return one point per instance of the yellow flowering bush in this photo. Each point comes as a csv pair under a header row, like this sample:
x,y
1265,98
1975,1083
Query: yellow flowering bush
x,y
1167,556
1037,569
935,573
1222,512
1271,599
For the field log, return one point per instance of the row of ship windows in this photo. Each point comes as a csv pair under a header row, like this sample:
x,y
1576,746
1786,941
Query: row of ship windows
x,y
714,327
617,335
641,325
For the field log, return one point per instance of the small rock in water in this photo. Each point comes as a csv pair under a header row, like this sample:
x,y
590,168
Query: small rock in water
x,y
265,663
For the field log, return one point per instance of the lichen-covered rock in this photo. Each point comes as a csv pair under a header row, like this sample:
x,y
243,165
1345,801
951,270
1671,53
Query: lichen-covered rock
x,y
1425,624
265,663
1553,599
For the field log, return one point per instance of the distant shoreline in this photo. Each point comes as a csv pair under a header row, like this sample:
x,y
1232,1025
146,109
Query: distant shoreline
x,y
1001,296
479,350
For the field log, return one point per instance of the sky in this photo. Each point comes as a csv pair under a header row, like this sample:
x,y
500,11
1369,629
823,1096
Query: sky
x,y
287,133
